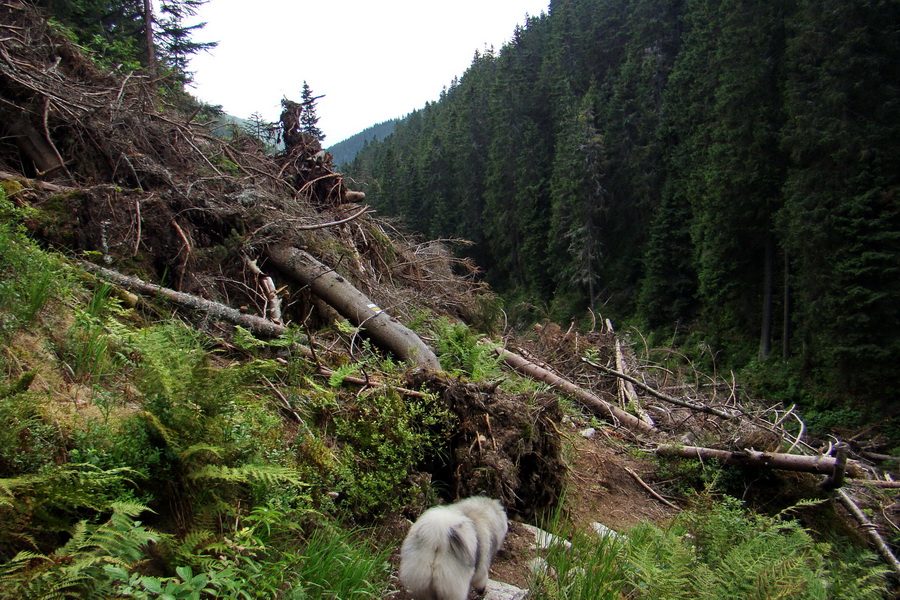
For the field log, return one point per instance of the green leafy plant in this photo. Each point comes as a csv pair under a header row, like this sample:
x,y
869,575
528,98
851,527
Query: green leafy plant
x,y
713,551
382,437
461,354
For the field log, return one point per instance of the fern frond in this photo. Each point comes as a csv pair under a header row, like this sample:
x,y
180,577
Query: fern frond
x,y
268,474
341,373
198,448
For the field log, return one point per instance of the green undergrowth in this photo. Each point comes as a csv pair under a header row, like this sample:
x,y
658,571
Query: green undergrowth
x,y
143,458
715,550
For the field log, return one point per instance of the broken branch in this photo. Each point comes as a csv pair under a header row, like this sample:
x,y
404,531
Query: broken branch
x,y
692,405
586,398
823,465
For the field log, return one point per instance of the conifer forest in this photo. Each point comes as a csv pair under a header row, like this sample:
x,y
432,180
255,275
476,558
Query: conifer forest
x,y
723,171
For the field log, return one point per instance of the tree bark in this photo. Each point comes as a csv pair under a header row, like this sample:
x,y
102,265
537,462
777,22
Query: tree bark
x,y
588,399
33,145
824,465
871,531
787,331
352,304
148,39
765,335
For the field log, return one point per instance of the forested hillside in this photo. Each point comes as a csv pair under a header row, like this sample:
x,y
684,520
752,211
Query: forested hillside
x,y
345,151
716,167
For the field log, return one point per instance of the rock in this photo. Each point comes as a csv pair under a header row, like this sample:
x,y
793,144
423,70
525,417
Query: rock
x,y
588,433
544,540
540,568
606,532
497,590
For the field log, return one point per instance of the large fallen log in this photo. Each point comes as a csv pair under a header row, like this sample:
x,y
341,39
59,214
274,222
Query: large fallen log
x,y
824,465
340,294
586,398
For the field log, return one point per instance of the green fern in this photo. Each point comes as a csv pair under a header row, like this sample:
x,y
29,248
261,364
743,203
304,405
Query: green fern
x,y
342,372
265,474
78,569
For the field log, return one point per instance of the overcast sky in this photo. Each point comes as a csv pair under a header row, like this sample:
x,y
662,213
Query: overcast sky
x,y
372,59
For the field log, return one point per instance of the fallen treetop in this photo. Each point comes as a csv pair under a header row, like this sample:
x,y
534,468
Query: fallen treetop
x,y
588,399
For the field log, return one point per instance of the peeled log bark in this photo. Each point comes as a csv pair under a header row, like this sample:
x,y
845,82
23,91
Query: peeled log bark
x,y
586,398
340,294
824,465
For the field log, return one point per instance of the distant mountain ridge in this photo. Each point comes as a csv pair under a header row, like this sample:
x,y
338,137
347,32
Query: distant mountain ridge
x,y
345,151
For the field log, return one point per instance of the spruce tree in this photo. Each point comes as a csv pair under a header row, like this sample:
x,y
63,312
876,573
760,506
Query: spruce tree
x,y
175,39
308,117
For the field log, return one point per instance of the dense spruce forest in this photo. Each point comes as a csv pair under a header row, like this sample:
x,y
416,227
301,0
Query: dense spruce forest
x,y
724,170
345,151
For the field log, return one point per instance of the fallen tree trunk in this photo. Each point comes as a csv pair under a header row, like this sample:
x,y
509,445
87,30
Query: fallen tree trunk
x,y
586,398
256,325
824,465
871,531
352,304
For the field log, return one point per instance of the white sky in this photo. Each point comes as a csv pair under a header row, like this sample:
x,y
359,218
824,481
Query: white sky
x,y
372,59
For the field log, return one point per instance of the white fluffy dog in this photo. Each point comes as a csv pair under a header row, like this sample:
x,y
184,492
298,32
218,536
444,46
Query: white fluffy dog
x,y
450,548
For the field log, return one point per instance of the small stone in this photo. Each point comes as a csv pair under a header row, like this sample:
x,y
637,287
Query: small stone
x,y
606,532
540,568
497,590
544,540
588,433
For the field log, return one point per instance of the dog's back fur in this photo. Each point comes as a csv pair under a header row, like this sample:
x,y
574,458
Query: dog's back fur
x,y
450,548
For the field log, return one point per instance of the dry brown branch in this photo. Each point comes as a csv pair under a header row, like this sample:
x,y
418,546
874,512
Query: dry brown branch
x,y
370,382
882,484
685,404
588,399
824,465
35,183
649,489
363,211
256,325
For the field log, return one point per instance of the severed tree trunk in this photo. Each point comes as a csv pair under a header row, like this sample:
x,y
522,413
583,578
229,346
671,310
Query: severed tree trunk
x,y
588,399
824,465
33,145
786,324
341,295
148,39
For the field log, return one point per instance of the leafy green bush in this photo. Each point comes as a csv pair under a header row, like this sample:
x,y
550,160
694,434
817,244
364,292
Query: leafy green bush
x,y
382,437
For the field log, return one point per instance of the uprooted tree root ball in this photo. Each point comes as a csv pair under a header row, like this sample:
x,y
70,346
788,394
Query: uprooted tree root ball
x,y
506,445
